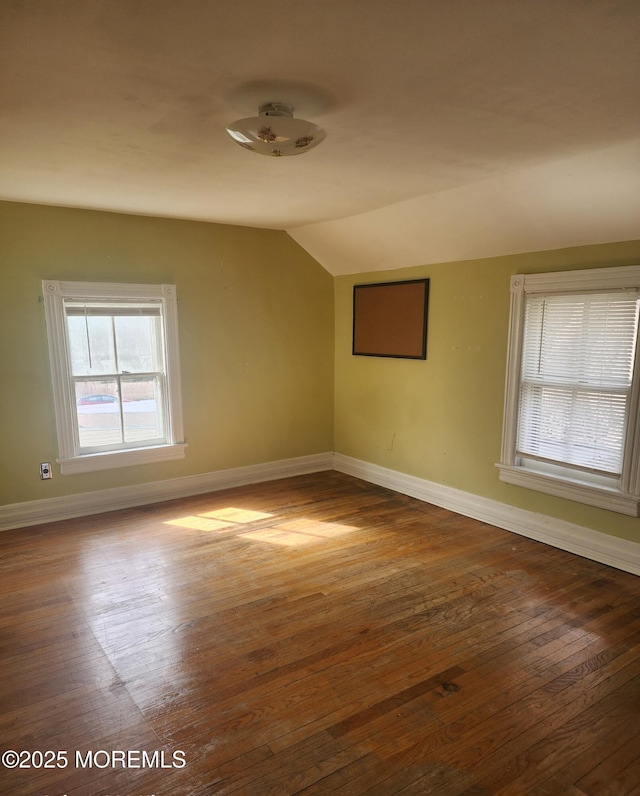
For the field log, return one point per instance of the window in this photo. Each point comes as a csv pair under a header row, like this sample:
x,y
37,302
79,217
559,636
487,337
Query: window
x,y
115,370
571,404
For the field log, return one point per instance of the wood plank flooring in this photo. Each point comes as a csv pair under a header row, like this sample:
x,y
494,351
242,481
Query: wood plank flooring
x,y
315,635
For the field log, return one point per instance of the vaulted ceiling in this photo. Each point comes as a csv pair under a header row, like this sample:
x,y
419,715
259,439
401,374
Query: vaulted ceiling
x,y
455,128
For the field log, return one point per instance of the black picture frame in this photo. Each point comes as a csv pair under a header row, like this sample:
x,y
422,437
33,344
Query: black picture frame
x,y
390,319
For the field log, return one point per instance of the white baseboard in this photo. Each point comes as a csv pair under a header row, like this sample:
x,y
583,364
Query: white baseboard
x,y
577,539
36,512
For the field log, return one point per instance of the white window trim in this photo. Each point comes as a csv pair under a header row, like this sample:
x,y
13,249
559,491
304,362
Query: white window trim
x,y
70,461
623,498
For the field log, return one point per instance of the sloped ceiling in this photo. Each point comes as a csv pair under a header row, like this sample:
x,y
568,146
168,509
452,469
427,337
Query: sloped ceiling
x,y
456,128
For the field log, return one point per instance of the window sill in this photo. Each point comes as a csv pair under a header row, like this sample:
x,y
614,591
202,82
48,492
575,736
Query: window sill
x,y
112,459
601,497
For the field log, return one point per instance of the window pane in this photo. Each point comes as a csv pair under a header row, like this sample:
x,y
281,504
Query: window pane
x,y
98,413
575,426
137,339
143,410
577,361
91,345
584,338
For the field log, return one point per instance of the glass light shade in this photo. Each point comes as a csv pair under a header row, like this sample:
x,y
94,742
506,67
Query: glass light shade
x,y
275,132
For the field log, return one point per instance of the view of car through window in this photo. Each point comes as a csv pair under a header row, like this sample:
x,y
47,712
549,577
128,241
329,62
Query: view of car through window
x,y
91,400
106,418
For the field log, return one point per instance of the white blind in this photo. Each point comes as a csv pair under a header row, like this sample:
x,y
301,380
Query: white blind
x,y
577,364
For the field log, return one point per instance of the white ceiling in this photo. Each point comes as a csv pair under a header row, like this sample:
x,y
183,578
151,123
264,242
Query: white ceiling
x,y
455,128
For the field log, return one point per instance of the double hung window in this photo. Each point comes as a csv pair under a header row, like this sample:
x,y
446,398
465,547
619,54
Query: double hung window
x,y
571,408
115,369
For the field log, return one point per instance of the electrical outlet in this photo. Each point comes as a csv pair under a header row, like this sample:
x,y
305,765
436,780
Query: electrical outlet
x,y
45,470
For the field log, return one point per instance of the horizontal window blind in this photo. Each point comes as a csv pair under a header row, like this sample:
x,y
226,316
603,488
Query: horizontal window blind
x,y
577,363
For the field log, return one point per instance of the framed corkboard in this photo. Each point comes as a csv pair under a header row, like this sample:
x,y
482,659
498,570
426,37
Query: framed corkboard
x,y
390,319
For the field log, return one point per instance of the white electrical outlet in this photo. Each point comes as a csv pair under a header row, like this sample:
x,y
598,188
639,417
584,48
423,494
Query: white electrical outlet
x,y
45,470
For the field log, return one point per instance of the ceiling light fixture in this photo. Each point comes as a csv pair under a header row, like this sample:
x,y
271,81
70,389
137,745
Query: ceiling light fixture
x,y
275,132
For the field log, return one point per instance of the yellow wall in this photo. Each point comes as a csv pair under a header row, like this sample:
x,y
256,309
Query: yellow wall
x,y
441,419
256,339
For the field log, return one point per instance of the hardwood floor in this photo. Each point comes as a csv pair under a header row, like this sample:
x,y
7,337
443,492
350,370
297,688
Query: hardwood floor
x,y
316,635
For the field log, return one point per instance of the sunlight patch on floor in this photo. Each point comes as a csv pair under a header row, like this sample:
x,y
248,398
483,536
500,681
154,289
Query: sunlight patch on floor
x,y
219,520
237,515
288,534
200,523
299,532
292,533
